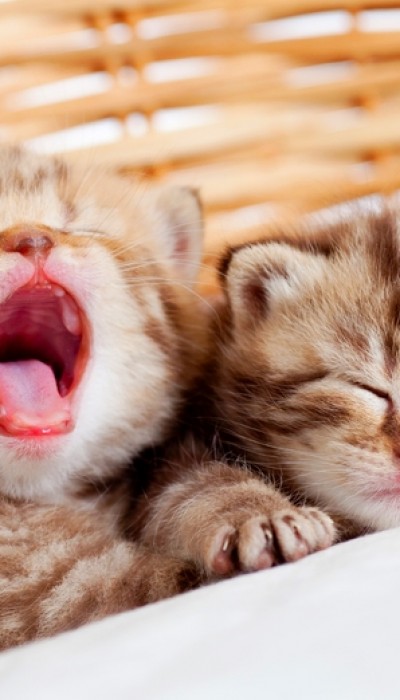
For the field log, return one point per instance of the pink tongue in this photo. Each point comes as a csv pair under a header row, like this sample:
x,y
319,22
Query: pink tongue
x,y
29,399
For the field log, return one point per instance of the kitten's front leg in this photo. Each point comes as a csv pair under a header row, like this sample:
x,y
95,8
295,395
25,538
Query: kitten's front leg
x,y
226,520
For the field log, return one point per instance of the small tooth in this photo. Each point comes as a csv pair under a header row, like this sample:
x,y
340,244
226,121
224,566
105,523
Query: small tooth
x,y
58,292
70,316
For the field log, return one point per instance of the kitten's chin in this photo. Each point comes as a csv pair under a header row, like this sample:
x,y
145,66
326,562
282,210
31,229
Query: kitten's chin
x,y
384,507
378,512
33,469
34,449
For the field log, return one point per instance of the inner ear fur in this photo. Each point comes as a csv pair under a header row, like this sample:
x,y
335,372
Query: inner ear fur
x,y
180,222
260,275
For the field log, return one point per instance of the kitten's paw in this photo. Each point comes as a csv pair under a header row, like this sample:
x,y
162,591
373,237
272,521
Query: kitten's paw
x,y
260,542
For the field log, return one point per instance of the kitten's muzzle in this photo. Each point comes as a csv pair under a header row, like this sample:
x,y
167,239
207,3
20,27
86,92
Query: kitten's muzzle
x,y
30,245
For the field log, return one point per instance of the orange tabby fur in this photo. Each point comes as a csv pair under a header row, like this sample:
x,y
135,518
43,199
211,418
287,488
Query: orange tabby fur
x,y
60,568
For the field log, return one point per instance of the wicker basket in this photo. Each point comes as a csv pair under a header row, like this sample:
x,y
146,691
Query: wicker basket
x,y
273,108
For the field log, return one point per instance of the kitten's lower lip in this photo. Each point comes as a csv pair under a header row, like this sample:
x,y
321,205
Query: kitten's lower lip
x,y
32,448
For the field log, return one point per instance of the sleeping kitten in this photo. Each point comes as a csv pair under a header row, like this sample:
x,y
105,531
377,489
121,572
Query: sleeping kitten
x,y
319,402
100,336
305,380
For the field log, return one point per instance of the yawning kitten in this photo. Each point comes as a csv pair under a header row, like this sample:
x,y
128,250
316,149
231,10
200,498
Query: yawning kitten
x,y
94,345
99,338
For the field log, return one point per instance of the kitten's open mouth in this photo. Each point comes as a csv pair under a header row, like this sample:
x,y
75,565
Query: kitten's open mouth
x,y
42,358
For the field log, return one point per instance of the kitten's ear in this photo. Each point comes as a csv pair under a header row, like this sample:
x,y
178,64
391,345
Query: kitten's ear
x,y
180,227
261,276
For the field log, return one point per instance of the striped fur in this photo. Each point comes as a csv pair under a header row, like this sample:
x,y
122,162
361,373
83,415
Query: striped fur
x,y
222,519
60,568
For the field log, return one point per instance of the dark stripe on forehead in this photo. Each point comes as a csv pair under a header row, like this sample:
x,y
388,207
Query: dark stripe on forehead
x,y
350,335
61,171
39,175
383,245
322,242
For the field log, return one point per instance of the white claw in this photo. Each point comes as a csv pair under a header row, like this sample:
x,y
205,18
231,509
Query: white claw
x,y
225,545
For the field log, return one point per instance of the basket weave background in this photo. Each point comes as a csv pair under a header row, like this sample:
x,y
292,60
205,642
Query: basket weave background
x,y
273,108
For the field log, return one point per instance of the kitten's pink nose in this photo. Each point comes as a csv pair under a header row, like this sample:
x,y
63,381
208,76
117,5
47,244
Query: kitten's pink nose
x,y
29,243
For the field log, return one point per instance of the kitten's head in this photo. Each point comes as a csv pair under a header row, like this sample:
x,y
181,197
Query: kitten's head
x,y
95,307
310,363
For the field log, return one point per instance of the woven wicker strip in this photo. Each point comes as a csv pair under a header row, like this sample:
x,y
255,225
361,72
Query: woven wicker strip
x,y
273,108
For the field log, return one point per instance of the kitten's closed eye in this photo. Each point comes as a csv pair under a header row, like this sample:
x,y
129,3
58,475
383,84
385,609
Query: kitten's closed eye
x,y
380,393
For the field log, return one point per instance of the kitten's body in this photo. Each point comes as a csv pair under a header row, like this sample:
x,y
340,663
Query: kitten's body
x,y
61,567
305,382
87,261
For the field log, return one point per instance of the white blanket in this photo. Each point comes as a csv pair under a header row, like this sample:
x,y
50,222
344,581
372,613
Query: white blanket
x,y
327,627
